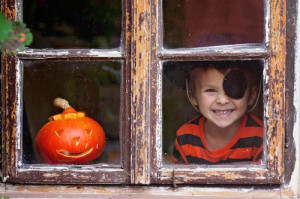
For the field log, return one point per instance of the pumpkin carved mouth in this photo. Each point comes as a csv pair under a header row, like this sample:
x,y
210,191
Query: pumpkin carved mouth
x,y
68,154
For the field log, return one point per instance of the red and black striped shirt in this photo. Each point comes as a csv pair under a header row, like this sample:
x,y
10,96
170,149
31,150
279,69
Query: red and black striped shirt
x,y
190,144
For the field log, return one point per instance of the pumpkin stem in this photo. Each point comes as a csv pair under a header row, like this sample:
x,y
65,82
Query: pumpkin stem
x,y
61,103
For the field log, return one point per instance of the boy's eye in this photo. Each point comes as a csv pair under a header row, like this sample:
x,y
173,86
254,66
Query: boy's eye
x,y
210,90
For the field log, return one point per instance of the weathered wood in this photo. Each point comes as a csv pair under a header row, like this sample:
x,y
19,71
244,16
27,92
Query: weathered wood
x,y
224,175
228,52
140,65
141,105
125,108
14,171
67,175
290,148
275,108
271,171
9,116
155,90
74,54
9,102
145,192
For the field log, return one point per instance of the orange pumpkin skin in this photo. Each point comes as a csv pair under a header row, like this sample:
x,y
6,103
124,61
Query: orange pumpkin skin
x,y
70,138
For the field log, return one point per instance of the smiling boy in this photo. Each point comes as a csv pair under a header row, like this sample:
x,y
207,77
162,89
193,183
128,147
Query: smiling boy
x,y
224,132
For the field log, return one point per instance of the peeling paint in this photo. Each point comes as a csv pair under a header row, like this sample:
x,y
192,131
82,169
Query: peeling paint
x,y
142,83
47,175
99,53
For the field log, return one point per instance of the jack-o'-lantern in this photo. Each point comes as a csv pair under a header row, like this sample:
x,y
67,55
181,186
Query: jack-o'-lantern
x,y
70,137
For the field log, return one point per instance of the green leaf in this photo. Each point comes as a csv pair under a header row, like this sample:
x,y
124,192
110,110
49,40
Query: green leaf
x,y
14,35
5,28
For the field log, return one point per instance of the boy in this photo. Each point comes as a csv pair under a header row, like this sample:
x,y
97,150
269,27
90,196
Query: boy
x,y
224,132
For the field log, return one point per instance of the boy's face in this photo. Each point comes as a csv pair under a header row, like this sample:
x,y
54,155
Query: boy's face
x,y
219,109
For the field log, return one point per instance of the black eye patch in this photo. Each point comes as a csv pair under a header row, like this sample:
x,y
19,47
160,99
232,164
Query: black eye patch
x,y
235,84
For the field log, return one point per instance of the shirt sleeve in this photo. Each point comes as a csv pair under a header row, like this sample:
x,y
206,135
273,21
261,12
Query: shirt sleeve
x,y
178,153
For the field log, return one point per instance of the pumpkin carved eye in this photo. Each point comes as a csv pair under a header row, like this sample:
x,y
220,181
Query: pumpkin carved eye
x,y
58,132
89,131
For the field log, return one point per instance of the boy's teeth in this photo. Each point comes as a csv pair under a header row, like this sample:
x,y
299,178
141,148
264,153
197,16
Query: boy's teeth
x,y
223,112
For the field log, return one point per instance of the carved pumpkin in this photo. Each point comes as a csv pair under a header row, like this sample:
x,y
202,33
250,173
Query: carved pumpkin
x,y
70,138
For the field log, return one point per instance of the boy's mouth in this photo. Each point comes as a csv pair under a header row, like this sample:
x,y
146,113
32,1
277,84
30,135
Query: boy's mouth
x,y
223,112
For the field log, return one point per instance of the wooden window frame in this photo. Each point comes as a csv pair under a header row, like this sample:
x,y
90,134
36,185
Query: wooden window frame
x,y
273,52
143,53
14,171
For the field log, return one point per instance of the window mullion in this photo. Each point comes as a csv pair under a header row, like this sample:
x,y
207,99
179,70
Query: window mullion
x,y
9,89
276,102
140,64
253,51
9,122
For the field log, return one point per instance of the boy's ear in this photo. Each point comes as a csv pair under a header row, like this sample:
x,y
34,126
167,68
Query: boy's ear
x,y
252,95
193,100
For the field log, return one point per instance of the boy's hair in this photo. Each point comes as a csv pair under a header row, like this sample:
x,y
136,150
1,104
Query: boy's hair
x,y
251,69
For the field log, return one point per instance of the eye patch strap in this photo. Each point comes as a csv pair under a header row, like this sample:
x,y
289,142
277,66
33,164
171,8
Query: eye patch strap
x,y
257,97
188,95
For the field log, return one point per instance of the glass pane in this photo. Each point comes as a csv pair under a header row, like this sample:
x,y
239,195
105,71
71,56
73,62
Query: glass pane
x,y
219,119
74,23
197,23
89,87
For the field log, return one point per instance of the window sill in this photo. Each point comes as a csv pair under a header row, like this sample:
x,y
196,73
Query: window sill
x,y
144,192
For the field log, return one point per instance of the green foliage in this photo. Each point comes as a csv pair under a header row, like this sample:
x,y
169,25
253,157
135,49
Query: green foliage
x,y
14,35
5,28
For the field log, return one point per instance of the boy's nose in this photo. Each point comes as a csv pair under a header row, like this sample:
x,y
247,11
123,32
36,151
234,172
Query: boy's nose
x,y
222,98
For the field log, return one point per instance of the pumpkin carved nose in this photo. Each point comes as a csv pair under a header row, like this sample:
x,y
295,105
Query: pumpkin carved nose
x,y
76,140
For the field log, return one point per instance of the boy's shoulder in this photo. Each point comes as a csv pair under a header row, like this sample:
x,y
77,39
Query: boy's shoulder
x,y
253,126
191,127
253,121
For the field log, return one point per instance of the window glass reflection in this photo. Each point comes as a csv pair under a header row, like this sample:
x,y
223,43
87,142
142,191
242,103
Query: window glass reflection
x,y
89,87
200,23
74,23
